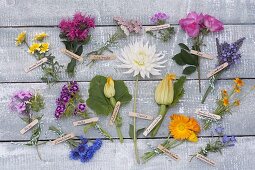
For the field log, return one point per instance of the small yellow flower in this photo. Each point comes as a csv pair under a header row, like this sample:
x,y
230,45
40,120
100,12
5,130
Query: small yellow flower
x,y
164,93
44,47
237,89
239,82
20,38
109,90
40,37
237,102
34,47
224,93
225,101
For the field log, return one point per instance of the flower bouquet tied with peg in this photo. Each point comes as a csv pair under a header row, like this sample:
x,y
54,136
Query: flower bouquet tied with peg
x,y
124,29
226,102
228,56
70,103
161,31
106,96
197,26
75,33
82,149
40,50
215,146
167,94
181,128
25,103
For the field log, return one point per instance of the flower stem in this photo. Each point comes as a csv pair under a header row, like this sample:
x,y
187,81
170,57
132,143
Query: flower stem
x,y
135,138
38,153
162,111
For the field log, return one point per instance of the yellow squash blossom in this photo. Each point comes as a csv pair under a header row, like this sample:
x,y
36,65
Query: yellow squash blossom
x,y
109,90
44,47
40,37
239,82
182,127
164,93
20,38
34,47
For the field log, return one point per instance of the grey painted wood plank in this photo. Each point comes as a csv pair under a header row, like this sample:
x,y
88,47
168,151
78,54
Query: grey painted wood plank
x,y
18,58
51,12
241,122
120,156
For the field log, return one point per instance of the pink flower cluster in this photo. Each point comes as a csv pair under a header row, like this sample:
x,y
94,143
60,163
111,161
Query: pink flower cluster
x,y
19,101
195,22
77,28
131,25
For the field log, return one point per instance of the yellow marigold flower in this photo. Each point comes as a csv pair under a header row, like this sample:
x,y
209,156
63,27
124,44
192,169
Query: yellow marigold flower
x,y
237,89
40,36
20,38
164,93
182,127
44,47
224,93
239,82
225,101
109,90
34,47
237,102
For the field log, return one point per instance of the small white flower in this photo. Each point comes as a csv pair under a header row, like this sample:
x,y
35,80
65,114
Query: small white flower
x,y
141,59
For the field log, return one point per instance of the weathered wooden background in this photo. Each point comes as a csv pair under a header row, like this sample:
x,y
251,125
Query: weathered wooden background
x,y
44,15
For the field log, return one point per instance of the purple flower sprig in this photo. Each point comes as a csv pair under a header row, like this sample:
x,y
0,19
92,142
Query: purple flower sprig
x,y
163,34
222,141
125,28
226,53
82,149
70,103
75,33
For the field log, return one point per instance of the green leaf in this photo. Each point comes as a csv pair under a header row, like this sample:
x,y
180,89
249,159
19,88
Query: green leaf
x,y
70,67
67,44
89,126
188,58
131,131
178,90
79,50
189,70
183,46
178,59
97,100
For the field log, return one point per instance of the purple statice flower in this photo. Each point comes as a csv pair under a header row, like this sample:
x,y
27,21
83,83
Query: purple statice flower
x,y
130,25
60,110
229,52
82,107
64,98
159,18
74,87
78,28
219,130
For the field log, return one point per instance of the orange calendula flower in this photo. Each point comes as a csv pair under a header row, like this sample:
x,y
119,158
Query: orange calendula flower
x,y
237,89
224,93
225,101
239,82
182,127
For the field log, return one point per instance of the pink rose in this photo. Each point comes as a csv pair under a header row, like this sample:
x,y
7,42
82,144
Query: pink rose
x,y
212,24
192,24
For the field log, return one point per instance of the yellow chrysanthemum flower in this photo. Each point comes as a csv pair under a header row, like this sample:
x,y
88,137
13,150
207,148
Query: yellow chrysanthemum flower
x,y
20,38
44,47
182,127
225,101
34,47
239,82
40,37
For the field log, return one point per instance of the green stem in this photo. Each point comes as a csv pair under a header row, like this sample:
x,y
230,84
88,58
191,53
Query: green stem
x,y
38,153
162,111
134,119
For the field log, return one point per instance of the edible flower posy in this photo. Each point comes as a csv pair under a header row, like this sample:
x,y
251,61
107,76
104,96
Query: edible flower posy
x,y
25,103
40,49
197,26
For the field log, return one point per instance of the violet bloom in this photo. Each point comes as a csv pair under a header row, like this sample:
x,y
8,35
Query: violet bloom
x,y
21,107
74,87
212,24
23,95
192,24
64,98
219,130
82,107
159,18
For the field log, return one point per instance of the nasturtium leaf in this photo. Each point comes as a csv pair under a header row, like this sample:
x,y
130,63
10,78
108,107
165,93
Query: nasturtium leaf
x,y
189,70
178,59
178,90
97,100
183,46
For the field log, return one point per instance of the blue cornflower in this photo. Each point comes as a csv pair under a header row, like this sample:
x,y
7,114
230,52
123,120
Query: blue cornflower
x,y
225,139
233,139
219,130
97,144
83,140
82,149
89,155
74,155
